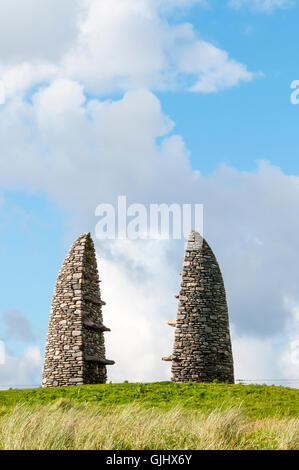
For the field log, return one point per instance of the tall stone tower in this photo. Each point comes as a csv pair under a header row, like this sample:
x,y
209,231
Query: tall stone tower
x,y
202,347
75,348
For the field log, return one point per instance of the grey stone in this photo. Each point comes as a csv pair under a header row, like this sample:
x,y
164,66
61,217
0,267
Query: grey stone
x,y
202,345
69,340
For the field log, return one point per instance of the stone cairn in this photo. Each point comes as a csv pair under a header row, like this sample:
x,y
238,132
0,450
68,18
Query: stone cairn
x,y
202,347
75,348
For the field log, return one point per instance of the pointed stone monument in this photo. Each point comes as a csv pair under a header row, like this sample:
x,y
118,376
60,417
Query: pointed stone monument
x,y
202,347
75,348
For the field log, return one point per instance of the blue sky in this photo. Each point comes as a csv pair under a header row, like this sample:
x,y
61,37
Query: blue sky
x,y
148,96
253,121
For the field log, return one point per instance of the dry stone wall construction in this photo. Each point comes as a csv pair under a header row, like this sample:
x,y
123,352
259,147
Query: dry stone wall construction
x,y
202,349
75,347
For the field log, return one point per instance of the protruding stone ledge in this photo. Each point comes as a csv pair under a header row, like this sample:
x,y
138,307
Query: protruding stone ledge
x,y
171,323
95,326
167,358
99,360
170,358
94,300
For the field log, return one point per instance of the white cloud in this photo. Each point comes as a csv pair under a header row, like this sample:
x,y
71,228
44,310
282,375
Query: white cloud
x,y
59,101
212,67
138,313
289,361
18,79
35,30
21,371
273,359
255,360
262,5
112,46
120,44
32,354
130,45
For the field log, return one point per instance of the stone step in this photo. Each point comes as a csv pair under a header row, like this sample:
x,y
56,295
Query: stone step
x,y
99,360
167,359
95,326
94,300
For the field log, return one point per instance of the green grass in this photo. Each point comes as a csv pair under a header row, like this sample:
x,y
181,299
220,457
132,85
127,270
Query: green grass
x,y
257,401
66,425
154,416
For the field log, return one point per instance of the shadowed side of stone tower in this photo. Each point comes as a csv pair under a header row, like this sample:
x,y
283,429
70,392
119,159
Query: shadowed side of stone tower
x,y
202,347
75,348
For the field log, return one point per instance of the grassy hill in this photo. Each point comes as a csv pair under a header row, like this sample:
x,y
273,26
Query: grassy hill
x,y
160,415
257,400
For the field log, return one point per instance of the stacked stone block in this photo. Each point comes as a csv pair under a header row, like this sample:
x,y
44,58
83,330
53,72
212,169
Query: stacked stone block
x,y
75,348
202,347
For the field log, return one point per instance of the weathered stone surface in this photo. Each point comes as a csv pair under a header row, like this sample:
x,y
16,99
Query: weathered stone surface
x,y
202,347
76,327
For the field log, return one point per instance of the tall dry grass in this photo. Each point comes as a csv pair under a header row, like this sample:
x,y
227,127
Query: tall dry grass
x,y
65,425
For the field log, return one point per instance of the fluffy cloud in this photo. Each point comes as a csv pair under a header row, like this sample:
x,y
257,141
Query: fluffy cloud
x,y
22,368
212,67
289,360
21,371
138,313
272,359
114,132
130,45
112,46
262,5
44,29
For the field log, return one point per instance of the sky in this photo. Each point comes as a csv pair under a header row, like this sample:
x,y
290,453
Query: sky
x,y
164,101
